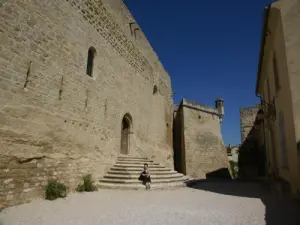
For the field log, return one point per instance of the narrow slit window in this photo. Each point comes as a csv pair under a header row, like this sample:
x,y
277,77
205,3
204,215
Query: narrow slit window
x,y
155,90
90,61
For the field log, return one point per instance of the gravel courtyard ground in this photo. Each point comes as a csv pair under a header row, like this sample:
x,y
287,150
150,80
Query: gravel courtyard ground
x,y
207,203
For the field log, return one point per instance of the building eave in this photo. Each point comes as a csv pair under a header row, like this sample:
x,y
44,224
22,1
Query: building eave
x,y
262,45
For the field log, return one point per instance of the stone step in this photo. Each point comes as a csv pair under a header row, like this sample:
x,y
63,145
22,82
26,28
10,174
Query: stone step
x,y
136,181
158,186
136,163
136,176
123,172
138,169
137,166
132,158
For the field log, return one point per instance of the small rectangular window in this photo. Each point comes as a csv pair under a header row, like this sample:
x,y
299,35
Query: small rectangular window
x,y
90,61
275,71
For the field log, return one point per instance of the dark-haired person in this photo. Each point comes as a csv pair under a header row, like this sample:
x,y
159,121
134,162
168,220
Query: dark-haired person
x,y
145,177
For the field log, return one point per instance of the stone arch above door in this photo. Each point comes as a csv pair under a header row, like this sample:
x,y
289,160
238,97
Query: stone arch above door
x,y
126,129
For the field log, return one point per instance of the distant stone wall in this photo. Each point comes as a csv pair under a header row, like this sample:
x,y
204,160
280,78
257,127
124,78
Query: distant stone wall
x,y
203,147
55,120
252,150
247,118
233,153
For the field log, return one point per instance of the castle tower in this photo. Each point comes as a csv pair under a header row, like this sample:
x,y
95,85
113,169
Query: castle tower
x,y
199,149
220,107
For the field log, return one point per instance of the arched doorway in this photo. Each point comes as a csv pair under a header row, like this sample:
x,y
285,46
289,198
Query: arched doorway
x,y
125,134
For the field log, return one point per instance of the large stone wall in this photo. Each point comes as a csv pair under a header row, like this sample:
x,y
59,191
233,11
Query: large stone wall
x,y
135,34
289,62
247,118
203,147
56,121
290,17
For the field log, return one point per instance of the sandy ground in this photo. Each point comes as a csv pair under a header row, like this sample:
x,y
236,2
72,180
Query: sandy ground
x,y
208,203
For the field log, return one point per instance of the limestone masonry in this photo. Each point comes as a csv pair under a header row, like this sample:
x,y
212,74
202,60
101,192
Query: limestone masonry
x,y
251,151
79,85
198,144
247,118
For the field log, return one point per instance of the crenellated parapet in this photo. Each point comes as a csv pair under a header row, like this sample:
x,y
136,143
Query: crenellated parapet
x,y
218,110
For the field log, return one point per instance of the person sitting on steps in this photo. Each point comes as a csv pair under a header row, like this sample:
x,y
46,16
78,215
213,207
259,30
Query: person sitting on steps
x,y
145,176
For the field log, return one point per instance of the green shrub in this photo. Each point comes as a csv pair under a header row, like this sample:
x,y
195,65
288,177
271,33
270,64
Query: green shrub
x,y
55,189
80,188
234,169
87,185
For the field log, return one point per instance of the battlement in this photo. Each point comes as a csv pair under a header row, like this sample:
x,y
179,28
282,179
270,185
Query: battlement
x,y
200,107
250,108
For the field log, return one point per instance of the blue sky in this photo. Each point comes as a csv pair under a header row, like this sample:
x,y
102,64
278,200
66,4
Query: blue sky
x,y
209,48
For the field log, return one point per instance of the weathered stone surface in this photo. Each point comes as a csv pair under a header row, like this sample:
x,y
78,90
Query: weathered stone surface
x,y
198,141
251,151
247,118
57,122
278,85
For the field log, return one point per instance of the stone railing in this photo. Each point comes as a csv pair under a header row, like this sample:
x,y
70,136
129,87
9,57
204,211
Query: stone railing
x,y
203,108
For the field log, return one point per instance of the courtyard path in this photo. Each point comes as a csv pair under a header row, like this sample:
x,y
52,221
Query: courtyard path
x,y
208,203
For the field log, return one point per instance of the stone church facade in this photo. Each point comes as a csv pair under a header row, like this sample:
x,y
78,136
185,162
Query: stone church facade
x,y
79,85
76,76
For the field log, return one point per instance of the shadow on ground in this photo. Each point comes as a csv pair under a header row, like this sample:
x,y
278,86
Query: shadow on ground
x,y
279,209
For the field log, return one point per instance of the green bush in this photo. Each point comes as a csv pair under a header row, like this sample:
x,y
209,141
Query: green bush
x,y
87,185
55,189
234,169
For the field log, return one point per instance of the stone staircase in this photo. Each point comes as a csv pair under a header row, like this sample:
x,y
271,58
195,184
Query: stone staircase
x,y
126,171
